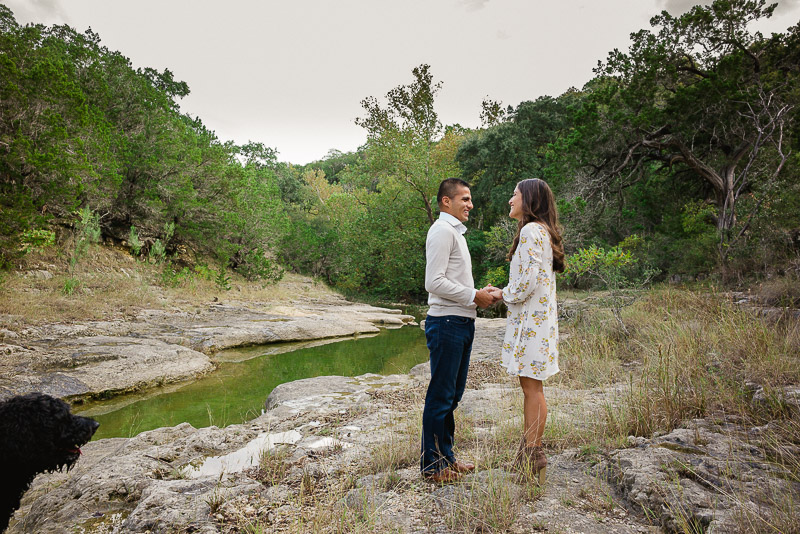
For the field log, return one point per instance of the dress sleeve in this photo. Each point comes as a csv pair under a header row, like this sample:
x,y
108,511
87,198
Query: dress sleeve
x,y
530,252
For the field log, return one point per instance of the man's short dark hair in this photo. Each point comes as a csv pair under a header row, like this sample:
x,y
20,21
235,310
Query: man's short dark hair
x,y
449,188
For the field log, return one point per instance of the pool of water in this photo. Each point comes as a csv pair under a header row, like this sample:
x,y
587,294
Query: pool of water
x,y
236,391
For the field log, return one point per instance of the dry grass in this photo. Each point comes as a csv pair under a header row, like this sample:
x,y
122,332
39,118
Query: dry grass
x,y
112,284
489,505
272,466
688,355
402,448
781,291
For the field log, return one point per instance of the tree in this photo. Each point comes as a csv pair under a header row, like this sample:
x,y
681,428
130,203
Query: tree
x,y
401,138
703,97
496,158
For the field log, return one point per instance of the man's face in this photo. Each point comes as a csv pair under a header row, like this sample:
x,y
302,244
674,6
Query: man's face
x,y
459,205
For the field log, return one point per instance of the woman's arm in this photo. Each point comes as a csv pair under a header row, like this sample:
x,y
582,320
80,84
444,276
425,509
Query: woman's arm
x,y
530,252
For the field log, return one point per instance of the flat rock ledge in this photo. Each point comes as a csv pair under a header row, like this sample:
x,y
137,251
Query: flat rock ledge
x,y
107,358
332,436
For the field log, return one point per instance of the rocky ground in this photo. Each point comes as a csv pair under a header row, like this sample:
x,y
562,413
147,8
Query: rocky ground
x,y
157,347
339,454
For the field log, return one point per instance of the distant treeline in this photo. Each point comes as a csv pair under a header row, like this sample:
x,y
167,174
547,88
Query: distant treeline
x,y
679,157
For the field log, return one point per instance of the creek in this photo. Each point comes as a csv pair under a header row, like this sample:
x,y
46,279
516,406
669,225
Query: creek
x,y
236,391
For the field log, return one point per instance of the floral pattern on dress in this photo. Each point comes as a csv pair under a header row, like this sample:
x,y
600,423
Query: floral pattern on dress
x,y
530,345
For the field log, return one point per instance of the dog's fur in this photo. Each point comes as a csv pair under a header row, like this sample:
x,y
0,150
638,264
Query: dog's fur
x,y
37,434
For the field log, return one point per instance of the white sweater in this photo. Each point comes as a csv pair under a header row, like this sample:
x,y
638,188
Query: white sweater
x,y
448,271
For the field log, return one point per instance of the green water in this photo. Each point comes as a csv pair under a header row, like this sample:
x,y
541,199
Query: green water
x,y
236,391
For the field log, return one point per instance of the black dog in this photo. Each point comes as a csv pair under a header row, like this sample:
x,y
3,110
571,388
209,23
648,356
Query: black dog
x,y
37,434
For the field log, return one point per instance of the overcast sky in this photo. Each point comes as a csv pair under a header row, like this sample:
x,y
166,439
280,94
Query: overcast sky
x,y
292,73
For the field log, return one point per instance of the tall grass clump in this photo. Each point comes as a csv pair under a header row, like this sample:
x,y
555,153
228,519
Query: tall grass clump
x,y
686,354
401,449
488,505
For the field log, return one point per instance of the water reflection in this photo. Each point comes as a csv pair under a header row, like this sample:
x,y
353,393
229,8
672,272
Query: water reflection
x,y
237,390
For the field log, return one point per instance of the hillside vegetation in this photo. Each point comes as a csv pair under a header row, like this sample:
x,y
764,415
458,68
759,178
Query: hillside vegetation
x,y
677,160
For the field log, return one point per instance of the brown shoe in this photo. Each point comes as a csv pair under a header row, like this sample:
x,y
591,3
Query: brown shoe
x,y
462,467
445,476
533,463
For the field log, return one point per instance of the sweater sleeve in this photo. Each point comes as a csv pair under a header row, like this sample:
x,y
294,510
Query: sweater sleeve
x,y
530,251
438,249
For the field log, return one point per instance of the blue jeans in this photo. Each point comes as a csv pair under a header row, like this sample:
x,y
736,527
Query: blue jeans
x,y
449,343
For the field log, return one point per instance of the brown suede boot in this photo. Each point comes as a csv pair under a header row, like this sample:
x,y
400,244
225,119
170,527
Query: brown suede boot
x,y
533,463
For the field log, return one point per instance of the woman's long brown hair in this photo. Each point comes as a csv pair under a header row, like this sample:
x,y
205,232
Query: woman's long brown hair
x,y
539,205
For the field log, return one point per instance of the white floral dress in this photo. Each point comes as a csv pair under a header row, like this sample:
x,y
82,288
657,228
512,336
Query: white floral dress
x,y
530,346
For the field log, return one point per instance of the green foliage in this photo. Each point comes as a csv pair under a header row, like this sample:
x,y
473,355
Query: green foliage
x,y
407,148
703,108
606,265
79,126
256,265
495,159
222,279
158,251
172,277
71,284
134,242
617,269
688,139
205,272
88,230
34,240
87,234
496,276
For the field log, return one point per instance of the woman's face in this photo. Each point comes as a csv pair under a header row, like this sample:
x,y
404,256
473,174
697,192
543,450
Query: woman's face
x,y
516,205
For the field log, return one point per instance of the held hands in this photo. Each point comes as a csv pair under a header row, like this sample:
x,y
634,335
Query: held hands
x,y
496,293
488,296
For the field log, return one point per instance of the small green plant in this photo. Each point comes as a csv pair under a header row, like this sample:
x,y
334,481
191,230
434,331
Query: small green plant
x,y
215,501
273,466
71,285
617,269
255,265
205,272
158,252
171,277
222,279
35,240
88,233
134,242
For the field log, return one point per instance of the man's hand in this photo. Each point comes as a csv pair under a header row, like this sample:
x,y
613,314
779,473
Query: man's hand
x,y
483,298
488,296
496,293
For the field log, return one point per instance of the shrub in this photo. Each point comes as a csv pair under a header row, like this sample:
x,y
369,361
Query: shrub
x,y
134,242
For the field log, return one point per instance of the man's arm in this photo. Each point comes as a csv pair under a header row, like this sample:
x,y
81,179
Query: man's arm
x,y
438,246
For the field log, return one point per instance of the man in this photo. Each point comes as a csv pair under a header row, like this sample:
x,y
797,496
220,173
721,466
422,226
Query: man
x,y
449,329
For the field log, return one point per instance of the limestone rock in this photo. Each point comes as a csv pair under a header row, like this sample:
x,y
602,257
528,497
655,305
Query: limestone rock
x,y
160,347
102,365
698,476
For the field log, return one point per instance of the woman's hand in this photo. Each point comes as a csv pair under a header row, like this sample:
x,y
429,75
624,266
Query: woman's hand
x,y
496,293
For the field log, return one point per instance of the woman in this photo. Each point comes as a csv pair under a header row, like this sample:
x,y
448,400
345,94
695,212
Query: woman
x,y
530,346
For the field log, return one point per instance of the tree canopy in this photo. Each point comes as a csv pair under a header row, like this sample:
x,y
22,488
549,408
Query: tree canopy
x,y
681,150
